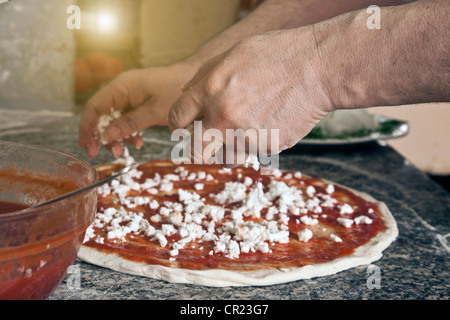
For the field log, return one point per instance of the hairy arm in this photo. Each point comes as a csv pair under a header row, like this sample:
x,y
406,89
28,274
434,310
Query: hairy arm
x,y
279,15
405,61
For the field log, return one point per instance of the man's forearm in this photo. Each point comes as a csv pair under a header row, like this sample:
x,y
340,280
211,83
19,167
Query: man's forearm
x,y
274,15
405,61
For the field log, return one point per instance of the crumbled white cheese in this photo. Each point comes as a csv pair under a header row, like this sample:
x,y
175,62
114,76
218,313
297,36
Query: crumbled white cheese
x,y
288,176
175,218
168,229
156,218
161,238
330,189
103,122
295,211
165,186
89,234
233,192
271,212
192,218
309,221
253,202
335,238
277,173
310,191
201,175
305,235
285,196
346,209
199,186
248,181
345,222
154,204
225,171
253,161
252,236
181,171
283,219
164,211
363,219
327,201
171,177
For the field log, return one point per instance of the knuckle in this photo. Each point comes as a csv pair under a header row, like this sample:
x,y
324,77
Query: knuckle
x,y
212,85
246,45
216,78
130,124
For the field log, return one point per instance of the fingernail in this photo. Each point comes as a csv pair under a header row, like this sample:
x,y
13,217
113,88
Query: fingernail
x,y
116,150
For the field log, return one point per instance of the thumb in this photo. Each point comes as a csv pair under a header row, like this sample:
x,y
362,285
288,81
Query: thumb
x,y
202,72
184,111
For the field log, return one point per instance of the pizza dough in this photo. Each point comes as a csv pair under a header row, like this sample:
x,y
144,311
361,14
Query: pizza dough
x,y
219,277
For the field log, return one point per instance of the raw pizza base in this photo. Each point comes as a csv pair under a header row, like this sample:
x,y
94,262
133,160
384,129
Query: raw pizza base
x,y
363,255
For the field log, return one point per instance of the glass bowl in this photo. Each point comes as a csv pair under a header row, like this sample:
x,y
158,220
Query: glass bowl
x,y
38,245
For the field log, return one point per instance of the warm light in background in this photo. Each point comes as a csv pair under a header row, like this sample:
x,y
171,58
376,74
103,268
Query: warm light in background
x,y
106,22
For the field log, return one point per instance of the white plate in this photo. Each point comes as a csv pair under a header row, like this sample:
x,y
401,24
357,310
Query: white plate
x,y
398,130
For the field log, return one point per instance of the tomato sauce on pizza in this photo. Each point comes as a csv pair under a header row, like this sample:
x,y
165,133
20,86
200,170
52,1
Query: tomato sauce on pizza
x,y
201,217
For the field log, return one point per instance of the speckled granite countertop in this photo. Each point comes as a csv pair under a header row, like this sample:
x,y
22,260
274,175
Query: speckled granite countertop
x,y
415,266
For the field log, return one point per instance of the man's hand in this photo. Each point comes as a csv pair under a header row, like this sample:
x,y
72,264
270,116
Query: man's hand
x,y
266,82
144,97
289,80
